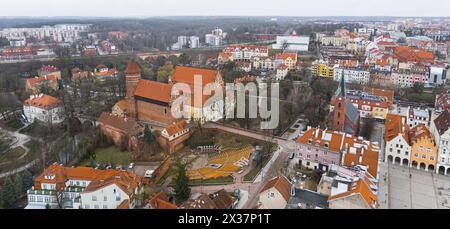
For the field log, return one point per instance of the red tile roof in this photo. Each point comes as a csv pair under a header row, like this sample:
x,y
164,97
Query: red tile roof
x,y
132,68
43,101
281,184
154,90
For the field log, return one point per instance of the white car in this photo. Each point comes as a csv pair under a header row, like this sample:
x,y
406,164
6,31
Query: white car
x,y
149,173
131,166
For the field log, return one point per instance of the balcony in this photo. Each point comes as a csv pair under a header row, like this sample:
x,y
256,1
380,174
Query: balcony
x,y
41,192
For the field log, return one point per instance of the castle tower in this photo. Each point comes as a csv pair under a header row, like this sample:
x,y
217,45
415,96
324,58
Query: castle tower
x,y
132,77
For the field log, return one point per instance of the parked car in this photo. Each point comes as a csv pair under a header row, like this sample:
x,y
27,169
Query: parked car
x,y
131,166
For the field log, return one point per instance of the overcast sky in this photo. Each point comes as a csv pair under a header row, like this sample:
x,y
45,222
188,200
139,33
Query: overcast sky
x,y
142,8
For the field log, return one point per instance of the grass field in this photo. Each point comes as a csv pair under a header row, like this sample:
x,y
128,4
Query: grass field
x,y
219,180
110,155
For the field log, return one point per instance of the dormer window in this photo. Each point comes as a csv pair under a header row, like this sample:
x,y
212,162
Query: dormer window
x,y
309,141
49,177
327,145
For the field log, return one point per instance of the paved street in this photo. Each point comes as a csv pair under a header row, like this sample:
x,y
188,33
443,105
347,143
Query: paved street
x,y
424,190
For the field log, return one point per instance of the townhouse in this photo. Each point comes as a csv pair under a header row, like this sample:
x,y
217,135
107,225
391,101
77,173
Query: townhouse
x,y
84,188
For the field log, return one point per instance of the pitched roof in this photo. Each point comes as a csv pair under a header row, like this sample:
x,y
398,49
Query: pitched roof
x,y
38,79
160,201
176,127
132,68
121,123
363,189
418,132
286,55
122,104
59,174
154,90
186,75
281,184
43,101
222,199
199,201
395,125
442,122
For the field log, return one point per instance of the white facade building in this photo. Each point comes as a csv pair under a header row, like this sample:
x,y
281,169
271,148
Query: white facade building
x,y
44,108
292,43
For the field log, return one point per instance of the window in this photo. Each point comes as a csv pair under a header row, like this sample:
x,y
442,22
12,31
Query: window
x,y
416,155
431,158
117,198
105,206
428,150
86,206
96,206
421,149
424,156
105,198
94,198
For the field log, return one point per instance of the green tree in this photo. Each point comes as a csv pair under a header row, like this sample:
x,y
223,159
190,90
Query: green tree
x,y
164,72
18,188
27,180
8,194
148,135
182,190
184,59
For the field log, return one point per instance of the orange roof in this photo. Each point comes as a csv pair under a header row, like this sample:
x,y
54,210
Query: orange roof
x,y
334,141
59,174
122,104
154,90
418,132
389,94
281,184
186,75
358,152
38,79
160,201
132,68
176,127
121,123
395,125
44,101
364,190
286,55
124,205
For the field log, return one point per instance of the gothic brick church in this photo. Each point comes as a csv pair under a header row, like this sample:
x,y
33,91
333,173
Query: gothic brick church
x,y
344,116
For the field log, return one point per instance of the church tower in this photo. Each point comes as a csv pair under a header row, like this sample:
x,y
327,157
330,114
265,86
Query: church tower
x,y
339,107
132,77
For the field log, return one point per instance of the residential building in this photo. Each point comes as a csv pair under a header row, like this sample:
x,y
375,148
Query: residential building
x,y
275,194
39,84
424,152
160,201
246,52
84,188
43,108
349,188
440,129
368,105
398,148
321,149
78,74
418,115
307,199
217,200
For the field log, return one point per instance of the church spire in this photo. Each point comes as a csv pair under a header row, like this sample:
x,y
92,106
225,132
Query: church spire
x,y
341,88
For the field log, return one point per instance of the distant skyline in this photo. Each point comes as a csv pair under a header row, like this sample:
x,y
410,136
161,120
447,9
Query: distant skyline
x,y
151,8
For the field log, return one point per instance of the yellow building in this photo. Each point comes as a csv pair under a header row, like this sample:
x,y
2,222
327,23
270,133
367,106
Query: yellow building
x,y
324,71
423,149
380,112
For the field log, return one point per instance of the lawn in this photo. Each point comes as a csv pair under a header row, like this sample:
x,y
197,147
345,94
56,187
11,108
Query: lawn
x,y
12,154
111,155
219,180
